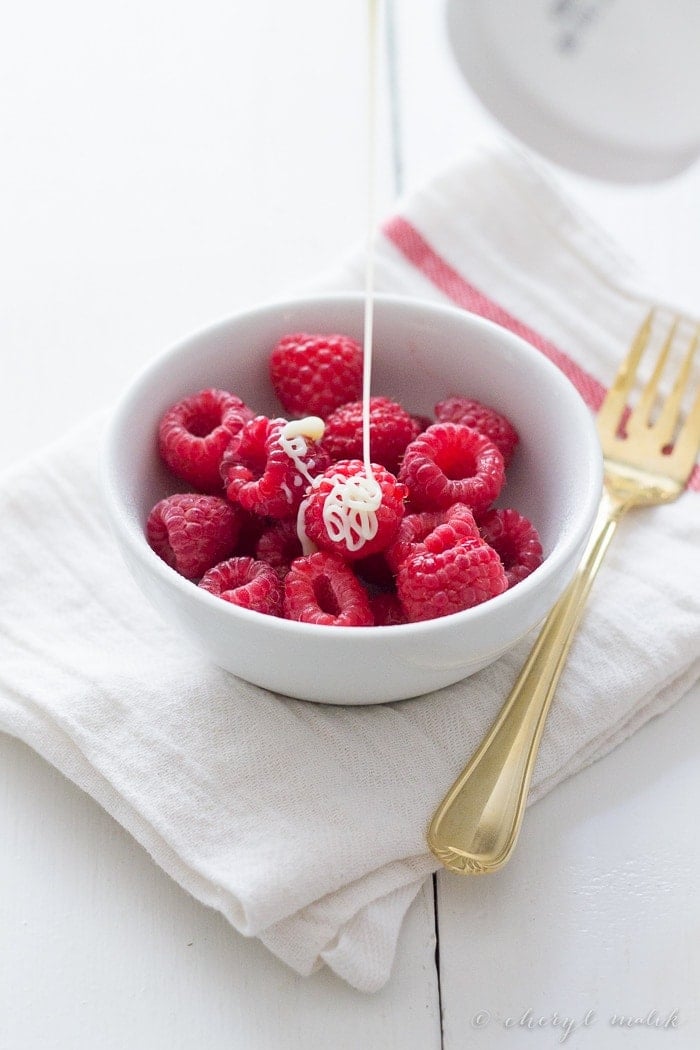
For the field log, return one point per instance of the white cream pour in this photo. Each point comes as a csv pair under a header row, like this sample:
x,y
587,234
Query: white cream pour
x,y
350,508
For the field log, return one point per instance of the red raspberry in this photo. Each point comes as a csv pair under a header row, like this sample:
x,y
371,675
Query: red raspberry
x,y
437,584
321,588
450,463
433,527
279,545
192,532
259,474
390,430
515,540
482,418
246,582
388,515
314,374
193,435
387,610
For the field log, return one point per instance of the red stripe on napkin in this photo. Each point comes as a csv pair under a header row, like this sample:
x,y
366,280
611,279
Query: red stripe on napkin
x,y
417,251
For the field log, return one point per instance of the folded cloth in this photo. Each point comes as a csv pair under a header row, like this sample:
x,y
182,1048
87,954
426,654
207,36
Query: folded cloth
x,y
305,824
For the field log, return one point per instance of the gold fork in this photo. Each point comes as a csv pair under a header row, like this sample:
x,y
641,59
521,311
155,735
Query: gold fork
x,y
648,460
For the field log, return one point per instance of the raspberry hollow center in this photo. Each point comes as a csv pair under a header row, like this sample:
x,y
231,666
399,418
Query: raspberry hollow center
x,y
458,466
325,596
201,423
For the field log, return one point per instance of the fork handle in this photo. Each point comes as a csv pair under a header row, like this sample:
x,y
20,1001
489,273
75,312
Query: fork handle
x,y
476,826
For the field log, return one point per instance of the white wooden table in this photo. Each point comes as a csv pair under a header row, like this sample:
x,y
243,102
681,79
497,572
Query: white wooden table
x,y
164,165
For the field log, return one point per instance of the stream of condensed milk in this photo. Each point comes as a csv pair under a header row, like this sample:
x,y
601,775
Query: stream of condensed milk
x,y
350,508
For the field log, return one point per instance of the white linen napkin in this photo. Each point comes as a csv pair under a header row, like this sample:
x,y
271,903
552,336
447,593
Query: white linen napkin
x,y
322,859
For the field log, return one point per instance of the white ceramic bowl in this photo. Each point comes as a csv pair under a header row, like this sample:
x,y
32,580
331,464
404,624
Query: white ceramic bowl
x,y
423,353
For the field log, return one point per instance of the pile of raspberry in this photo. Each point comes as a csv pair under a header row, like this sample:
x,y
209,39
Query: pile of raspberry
x,y
440,545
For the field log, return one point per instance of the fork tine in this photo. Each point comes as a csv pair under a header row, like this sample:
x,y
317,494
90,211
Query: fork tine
x,y
610,412
685,450
640,415
668,419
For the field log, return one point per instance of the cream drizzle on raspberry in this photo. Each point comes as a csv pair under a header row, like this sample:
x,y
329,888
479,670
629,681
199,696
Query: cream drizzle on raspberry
x,y
293,443
350,510
350,507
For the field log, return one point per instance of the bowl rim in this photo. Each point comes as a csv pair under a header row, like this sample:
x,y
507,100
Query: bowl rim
x,y
565,546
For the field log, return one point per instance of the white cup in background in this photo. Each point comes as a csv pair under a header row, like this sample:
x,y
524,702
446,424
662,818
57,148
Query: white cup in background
x,y
609,88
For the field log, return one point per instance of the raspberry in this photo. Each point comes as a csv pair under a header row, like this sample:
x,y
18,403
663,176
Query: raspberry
x,y
459,577
246,582
515,540
482,418
387,610
191,532
259,474
391,428
321,588
345,537
315,374
450,463
435,527
279,545
193,435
